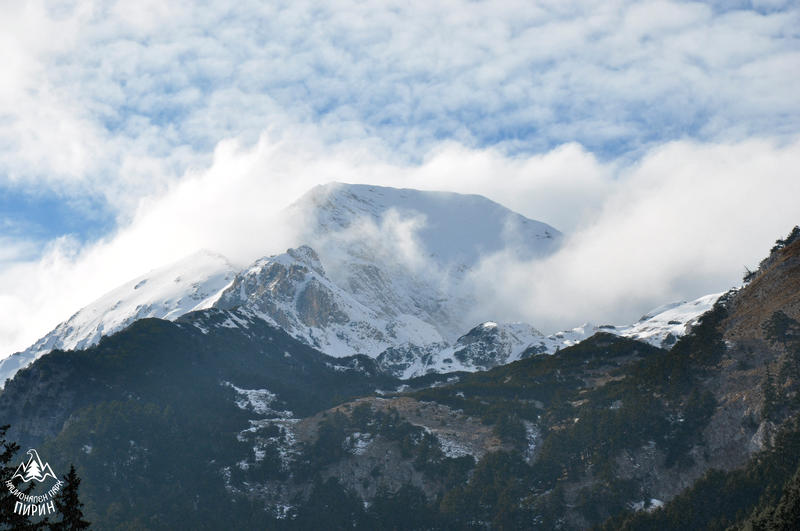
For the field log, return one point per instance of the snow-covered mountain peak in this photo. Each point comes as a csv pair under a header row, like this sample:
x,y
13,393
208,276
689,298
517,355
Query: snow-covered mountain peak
x,y
408,252
191,283
453,229
394,263
384,273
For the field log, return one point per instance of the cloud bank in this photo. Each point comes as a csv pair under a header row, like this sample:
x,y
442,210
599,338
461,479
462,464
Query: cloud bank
x,y
683,221
132,133
114,99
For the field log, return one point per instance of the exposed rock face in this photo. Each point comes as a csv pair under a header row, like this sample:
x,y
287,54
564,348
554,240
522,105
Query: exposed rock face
x,y
316,306
373,462
293,291
739,428
775,286
289,289
483,347
490,344
406,360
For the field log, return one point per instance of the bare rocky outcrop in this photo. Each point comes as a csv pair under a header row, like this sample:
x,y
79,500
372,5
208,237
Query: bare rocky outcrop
x,y
775,286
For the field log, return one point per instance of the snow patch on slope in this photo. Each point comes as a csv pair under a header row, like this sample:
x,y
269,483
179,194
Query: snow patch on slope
x,y
659,326
259,401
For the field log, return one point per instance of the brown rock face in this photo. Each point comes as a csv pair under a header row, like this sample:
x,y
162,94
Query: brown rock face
x,y
316,306
775,287
276,287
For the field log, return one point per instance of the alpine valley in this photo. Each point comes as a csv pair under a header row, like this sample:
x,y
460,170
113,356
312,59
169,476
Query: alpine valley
x,y
354,381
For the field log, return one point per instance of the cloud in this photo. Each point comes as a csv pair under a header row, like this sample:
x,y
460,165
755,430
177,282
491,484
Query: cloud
x,y
682,222
114,100
192,124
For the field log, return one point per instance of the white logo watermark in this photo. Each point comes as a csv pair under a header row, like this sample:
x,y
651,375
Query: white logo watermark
x,y
36,471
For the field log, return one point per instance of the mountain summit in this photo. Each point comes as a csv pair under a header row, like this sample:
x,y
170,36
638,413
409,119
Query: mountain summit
x,y
378,271
383,266
450,229
408,252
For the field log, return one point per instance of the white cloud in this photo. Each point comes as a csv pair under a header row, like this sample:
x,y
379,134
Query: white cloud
x,y
116,98
682,222
196,123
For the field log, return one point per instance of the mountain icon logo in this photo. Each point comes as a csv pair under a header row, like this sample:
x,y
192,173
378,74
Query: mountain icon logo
x,y
34,469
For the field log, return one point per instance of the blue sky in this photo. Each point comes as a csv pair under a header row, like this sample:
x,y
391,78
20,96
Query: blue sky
x,y
109,109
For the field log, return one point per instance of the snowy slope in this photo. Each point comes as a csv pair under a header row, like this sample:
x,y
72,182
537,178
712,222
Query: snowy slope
x,y
485,346
406,252
292,291
169,292
663,325
660,327
491,344
456,229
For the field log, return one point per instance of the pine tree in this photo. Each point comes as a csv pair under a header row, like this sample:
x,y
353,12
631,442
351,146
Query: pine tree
x,y
782,329
787,512
68,504
770,407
